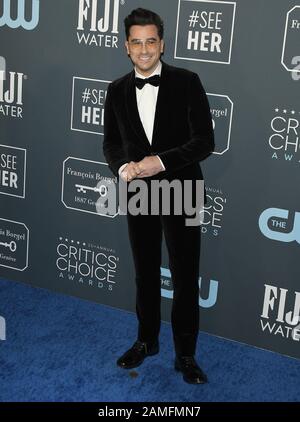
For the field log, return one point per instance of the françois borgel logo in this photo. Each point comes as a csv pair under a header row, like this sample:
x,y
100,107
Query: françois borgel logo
x,y
15,12
205,30
290,58
12,171
221,109
213,212
280,225
281,313
86,187
14,242
88,99
98,23
11,91
86,263
284,139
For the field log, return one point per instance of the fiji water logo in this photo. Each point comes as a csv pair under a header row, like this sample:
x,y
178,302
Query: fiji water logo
x,y
208,302
14,93
6,18
98,23
274,223
281,312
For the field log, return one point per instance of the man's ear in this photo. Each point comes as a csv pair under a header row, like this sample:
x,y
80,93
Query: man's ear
x,y
162,46
127,47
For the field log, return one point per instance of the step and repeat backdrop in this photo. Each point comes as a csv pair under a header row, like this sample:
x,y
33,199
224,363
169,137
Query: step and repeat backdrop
x,y
57,58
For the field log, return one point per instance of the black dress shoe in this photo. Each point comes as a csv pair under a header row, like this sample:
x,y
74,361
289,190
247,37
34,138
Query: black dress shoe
x,y
136,355
192,373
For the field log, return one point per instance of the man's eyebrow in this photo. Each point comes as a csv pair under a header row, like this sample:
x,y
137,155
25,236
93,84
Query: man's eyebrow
x,y
147,39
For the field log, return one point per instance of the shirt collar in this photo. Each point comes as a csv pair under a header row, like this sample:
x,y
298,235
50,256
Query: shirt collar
x,y
157,71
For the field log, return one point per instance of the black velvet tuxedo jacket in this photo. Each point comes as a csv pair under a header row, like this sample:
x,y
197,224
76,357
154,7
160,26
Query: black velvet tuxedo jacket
x,y
182,133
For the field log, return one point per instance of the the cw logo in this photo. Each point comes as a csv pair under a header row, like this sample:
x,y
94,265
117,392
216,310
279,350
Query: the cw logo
x,y
270,221
20,20
209,302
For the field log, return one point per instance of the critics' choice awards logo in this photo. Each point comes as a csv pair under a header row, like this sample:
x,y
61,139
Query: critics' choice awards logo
x,y
86,263
86,187
290,58
88,99
284,137
98,23
11,92
208,292
280,225
14,242
280,313
205,30
221,109
12,171
213,212
15,12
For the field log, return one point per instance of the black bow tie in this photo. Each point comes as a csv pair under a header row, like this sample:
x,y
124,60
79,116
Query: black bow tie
x,y
153,80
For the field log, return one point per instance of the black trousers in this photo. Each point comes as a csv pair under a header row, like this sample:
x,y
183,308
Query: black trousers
x,y
183,245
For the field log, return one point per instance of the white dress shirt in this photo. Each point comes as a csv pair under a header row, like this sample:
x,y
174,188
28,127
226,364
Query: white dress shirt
x,y
146,102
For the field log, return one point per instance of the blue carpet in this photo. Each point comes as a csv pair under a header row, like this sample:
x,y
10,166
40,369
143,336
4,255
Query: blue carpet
x,y
61,348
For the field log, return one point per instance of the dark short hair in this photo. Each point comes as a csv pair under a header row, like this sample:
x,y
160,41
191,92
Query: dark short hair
x,y
144,17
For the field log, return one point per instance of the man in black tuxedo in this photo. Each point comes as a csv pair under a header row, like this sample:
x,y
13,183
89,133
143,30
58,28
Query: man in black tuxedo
x,y
158,126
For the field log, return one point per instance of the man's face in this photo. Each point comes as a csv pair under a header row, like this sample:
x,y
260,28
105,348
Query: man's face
x,y
144,48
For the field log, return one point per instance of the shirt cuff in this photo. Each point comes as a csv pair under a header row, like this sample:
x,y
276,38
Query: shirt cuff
x,y
122,168
161,162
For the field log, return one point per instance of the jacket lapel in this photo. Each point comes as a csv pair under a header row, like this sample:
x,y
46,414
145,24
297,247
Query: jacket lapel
x,y
132,110
161,107
161,104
